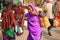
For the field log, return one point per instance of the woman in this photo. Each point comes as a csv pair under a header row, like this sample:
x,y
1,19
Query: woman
x,y
20,15
57,11
34,29
7,23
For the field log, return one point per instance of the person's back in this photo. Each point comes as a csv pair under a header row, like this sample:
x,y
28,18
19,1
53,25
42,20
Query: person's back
x,y
49,10
50,15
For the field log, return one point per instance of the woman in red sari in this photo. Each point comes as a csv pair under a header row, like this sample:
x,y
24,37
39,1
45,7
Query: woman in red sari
x,y
7,22
20,15
57,17
57,11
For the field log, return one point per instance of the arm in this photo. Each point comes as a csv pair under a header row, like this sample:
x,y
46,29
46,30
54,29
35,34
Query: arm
x,y
2,16
12,19
34,13
23,18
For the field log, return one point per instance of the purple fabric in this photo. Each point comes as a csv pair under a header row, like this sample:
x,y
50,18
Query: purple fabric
x,y
33,7
33,25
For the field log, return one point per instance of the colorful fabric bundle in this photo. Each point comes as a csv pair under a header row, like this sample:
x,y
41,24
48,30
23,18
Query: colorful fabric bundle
x,y
18,30
57,20
44,22
56,23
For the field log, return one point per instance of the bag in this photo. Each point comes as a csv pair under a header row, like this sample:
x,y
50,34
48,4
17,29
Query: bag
x,y
41,22
44,22
18,30
9,32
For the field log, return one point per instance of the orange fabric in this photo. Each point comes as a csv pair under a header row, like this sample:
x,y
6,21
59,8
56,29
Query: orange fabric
x,y
57,17
44,22
12,17
56,24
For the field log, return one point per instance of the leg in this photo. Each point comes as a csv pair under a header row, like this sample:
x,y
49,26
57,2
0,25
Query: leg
x,y
5,37
11,38
50,27
40,36
30,37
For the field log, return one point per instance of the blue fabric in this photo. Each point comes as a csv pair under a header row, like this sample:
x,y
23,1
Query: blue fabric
x,y
18,30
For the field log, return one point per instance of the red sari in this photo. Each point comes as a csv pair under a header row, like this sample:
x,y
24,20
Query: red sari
x,y
20,14
5,19
10,21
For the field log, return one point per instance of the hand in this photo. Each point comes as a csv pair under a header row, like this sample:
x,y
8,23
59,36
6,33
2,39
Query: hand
x,y
16,23
34,13
39,36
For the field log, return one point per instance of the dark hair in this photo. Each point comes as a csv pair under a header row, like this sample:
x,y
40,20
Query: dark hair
x,y
59,11
20,3
30,6
40,12
58,0
45,11
6,4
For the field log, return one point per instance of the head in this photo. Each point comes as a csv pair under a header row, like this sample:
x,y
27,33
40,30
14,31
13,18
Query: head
x,y
58,0
43,3
41,11
31,8
10,6
49,1
5,8
20,4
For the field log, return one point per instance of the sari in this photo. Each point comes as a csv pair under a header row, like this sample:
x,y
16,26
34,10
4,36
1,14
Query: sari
x,y
35,32
19,18
6,20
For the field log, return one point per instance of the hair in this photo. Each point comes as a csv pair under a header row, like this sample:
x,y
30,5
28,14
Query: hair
x,y
30,6
59,12
10,5
20,3
58,0
48,1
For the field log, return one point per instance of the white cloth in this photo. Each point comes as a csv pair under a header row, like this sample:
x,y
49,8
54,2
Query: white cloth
x,y
49,13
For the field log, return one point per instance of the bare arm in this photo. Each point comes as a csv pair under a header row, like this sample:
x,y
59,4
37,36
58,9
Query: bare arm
x,y
34,13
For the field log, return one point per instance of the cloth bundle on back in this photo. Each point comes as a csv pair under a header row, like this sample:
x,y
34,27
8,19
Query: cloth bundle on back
x,y
43,19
